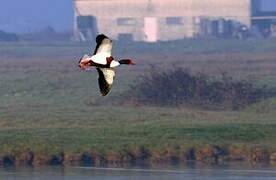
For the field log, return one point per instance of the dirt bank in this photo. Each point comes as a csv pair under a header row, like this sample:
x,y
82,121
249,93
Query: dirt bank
x,y
169,155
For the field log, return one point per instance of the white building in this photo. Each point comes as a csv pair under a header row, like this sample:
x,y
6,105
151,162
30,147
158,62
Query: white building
x,y
154,20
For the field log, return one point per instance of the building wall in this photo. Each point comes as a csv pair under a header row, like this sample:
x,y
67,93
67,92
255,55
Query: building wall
x,y
183,13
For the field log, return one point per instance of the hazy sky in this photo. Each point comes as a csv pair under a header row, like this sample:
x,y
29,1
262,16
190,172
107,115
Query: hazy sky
x,y
31,15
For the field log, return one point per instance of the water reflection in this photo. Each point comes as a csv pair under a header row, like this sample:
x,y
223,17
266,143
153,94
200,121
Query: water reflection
x,y
198,171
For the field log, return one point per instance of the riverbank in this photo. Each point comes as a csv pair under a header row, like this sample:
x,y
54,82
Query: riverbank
x,y
206,154
150,135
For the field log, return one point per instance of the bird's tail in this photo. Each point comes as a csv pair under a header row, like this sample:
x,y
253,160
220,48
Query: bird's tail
x,y
84,57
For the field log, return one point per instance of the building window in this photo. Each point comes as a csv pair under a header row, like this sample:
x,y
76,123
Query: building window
x,y
84,22
126,21
125,37
174,21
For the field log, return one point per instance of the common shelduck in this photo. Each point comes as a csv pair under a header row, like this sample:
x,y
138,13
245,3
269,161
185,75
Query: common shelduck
x,y
104,63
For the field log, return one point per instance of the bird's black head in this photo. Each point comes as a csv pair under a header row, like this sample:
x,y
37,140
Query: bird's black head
x,y
100,38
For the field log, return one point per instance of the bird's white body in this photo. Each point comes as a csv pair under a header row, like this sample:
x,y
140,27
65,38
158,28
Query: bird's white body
x,y
101,58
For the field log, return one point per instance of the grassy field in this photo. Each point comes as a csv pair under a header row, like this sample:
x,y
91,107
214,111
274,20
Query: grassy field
x,y
49,106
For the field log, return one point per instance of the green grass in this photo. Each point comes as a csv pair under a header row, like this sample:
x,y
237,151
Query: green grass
x,y
120,136
48,105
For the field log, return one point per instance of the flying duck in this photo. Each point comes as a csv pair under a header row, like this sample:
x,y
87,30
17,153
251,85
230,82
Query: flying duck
x,y
103,61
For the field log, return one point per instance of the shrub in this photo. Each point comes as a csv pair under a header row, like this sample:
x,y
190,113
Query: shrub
x,y
180,87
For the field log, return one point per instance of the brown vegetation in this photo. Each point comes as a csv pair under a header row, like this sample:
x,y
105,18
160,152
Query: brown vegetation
x,y
180,87
171,155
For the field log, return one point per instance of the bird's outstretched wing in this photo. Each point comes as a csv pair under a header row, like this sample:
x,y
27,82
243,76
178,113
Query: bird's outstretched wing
x,y
104,45
105,80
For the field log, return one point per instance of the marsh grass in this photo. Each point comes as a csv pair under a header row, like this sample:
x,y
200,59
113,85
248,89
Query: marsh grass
x,y
48,106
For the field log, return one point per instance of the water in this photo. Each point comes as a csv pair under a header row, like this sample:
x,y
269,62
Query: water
x,y
233,172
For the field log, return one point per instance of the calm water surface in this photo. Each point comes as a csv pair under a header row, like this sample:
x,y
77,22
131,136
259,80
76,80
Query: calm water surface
x,y
225,172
